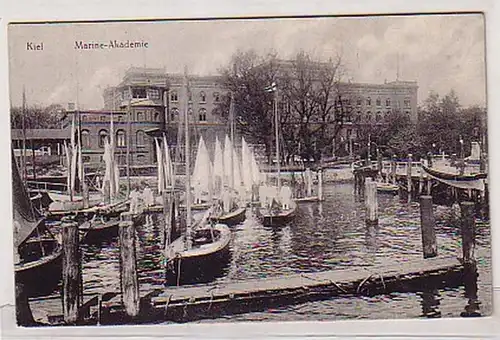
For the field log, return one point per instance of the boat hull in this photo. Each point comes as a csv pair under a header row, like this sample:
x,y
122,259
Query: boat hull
x,y
40,277
280,218
100,232
200,266
233,218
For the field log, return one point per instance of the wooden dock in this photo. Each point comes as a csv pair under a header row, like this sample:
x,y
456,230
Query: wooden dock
x,y
188,303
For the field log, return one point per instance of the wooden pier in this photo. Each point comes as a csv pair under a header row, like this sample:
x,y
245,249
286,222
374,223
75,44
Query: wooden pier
x,y
188,303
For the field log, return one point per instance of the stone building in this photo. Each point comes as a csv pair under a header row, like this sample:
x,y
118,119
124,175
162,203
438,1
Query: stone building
x,y
149,102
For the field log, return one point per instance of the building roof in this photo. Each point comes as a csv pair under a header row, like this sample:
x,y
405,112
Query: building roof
x,y
32,134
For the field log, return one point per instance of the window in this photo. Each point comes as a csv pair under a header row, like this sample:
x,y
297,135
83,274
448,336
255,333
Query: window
x,y
379,102
83,118
190,96
120,138
387,112
407,112
153,94
139,93
173,96
388,102
358,117
141,159
174,112
103,137
378,117
358,102
122,159
368,101
202,115
140,138
102,118
203,97
407,102
119,118
157,116
140,116
368,115
86,159
85,139
216,97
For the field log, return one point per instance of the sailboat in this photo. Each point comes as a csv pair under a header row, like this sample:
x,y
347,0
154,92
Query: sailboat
x,y
38,254
202,251
279,207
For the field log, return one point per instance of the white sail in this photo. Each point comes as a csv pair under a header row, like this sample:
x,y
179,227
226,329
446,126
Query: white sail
x,y
160,170
116,182
168,166
246,165
200,178
237,170
218,169
256,175
228,172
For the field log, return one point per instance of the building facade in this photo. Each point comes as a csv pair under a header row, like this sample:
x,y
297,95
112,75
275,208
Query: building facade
x,y
150,102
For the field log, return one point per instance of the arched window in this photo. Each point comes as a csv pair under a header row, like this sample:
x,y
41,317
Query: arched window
x,y
388,102
103,137
378,117
141,159
157,116
120,138
379,102
368,116
368,101
202,115
203,97
85,139
140,138
174,113
216,97
140,116
173,96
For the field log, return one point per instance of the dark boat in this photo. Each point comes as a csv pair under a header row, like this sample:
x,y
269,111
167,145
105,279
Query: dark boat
x,y
38,257
276,216
204,261
99,228
234,217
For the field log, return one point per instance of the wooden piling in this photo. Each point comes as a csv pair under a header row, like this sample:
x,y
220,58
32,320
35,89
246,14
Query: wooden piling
x,y
71,270
128,265
468,228
408,176
24,316
421,179
427,226
320,184
371,202
393,169
309,182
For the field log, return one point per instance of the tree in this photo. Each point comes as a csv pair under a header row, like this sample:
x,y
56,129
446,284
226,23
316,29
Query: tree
x,y
37,117
245,78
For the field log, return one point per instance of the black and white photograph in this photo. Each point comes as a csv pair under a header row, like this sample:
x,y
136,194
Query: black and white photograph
x,y
270,169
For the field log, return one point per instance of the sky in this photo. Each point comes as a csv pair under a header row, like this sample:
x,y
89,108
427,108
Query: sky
x,y
440,52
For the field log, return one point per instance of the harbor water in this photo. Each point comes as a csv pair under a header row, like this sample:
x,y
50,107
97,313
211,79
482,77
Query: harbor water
x,y
324,236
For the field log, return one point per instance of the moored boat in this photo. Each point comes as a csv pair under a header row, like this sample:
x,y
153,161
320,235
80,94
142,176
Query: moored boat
x,y
387,187
38,254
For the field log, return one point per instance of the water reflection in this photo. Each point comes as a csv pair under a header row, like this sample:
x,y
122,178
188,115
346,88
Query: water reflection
x,y
327,235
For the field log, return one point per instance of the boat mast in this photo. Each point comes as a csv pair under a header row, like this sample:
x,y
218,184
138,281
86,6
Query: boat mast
x,y
187,160
276,124
231,124
23,126
128,138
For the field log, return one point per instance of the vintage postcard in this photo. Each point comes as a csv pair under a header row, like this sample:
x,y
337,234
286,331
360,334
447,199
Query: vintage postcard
x,y
259,169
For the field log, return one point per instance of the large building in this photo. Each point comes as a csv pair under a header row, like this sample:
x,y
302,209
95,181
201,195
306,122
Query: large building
x,y
148,103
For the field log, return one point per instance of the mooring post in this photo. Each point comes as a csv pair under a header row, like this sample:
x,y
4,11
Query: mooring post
x,y
468,229
393,169
427,226
167,207
421,178
371,201
129,281
85,193
320,184
71,270
309,182
408,176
